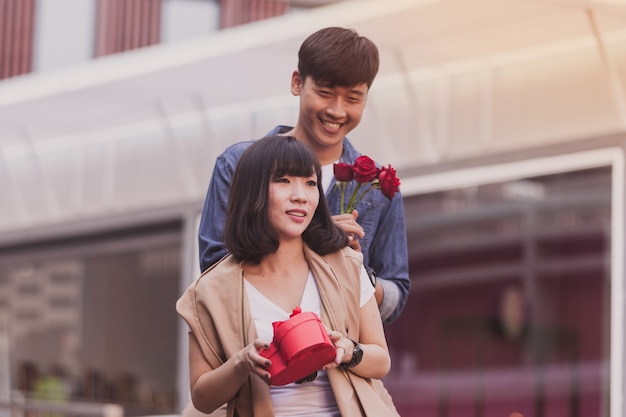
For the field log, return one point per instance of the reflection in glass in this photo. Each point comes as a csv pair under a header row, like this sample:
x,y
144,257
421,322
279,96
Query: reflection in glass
x,y
95,327
509,307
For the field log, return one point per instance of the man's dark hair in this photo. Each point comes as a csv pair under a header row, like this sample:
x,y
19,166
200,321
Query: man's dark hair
x,y
337,56
248,233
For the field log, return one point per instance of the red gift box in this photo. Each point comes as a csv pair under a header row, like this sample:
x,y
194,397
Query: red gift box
x,y
300,347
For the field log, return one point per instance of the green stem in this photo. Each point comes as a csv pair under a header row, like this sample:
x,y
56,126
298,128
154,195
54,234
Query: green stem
x,y
358,200
343,192
351,203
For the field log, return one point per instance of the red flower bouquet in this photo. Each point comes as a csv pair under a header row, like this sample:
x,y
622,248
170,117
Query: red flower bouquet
x,y
365,171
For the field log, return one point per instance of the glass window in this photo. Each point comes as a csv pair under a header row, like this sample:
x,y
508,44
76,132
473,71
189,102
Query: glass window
x,y
94,320
509,310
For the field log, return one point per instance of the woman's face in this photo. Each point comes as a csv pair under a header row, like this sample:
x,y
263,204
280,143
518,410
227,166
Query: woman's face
x,y
293,201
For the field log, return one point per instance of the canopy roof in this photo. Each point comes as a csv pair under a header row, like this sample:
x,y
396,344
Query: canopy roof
x,y
139,131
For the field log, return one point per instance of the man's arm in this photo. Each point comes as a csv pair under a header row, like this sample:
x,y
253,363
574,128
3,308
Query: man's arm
x,y
388,258
211,230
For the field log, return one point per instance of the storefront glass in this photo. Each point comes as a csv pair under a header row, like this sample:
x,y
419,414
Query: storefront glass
x,y
509,312
93,320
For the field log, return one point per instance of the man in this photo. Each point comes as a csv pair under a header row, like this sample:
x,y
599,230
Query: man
x,y
336,69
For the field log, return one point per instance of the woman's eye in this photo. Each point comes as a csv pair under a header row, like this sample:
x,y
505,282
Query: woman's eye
x,y
312,183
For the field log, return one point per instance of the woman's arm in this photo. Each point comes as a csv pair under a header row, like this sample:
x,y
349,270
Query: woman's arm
x,y
376,361
211,388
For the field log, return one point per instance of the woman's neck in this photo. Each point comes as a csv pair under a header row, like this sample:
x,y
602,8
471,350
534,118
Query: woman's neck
x,y
281,276
286,256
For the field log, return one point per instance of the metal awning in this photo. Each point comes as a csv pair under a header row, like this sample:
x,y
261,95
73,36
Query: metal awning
x,y
139,131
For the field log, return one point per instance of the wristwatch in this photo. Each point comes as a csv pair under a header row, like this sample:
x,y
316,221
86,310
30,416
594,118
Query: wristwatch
x,y
372,275
357,356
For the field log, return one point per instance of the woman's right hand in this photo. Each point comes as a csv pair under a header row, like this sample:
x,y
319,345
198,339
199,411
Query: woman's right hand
x,y
213,387
256,363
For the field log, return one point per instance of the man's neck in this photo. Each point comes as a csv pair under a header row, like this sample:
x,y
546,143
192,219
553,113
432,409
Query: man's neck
x,y
326,154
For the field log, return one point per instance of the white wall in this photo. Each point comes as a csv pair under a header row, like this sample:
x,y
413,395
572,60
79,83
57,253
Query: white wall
x,y
185,19
64,33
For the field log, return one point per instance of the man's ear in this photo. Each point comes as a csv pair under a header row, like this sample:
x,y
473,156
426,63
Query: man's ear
x,y
296,83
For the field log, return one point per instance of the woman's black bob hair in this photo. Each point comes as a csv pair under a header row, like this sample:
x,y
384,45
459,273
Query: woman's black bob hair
x,y
248,234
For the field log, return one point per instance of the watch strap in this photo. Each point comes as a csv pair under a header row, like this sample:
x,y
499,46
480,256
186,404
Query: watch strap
x,y
357,356
372,275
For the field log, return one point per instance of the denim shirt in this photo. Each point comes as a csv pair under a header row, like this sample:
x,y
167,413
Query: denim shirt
x,y
384,245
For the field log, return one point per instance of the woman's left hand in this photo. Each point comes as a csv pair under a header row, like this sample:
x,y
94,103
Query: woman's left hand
x,y
344,347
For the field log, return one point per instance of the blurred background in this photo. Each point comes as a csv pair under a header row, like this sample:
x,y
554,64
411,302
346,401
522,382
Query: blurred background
x,y
506,121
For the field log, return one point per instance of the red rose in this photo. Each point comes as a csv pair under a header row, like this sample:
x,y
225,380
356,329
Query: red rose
x,y
343,171
365,169
389,183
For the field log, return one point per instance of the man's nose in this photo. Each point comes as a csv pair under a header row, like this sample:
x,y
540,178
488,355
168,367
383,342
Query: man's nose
x,y
337,108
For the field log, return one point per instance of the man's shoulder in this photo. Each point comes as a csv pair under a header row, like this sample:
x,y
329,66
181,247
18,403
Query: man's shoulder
x,y
349,153
230,156
236,149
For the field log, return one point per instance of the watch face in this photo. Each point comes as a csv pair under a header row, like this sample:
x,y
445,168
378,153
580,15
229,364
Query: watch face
x,y
357,355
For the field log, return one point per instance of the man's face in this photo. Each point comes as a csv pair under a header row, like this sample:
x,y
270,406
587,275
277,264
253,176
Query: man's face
x,y
327,113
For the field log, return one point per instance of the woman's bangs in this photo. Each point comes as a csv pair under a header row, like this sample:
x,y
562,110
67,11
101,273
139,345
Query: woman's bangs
x,y
293,162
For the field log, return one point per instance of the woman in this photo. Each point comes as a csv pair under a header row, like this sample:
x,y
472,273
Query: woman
x,y
284,252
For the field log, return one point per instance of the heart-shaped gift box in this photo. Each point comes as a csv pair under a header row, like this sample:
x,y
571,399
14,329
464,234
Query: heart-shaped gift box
x,y
300,347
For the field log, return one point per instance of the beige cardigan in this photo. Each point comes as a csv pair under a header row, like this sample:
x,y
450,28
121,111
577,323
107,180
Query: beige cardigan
x,y
216,309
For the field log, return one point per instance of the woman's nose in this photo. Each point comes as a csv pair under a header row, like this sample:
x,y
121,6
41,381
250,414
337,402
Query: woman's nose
x,y
297,191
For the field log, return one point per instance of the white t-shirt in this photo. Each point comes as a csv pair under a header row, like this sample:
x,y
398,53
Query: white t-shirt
x,y
327,176
313,398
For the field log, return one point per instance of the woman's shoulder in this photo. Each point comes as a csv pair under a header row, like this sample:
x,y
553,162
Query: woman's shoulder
x,y
212,286
221,269
351,254
346,257
343,258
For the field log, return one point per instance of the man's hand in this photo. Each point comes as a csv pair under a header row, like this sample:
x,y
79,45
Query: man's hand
x,y
347,223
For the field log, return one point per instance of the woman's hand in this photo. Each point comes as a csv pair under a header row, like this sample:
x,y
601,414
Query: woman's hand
x,y
256,363
375,361
344,347
213,387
